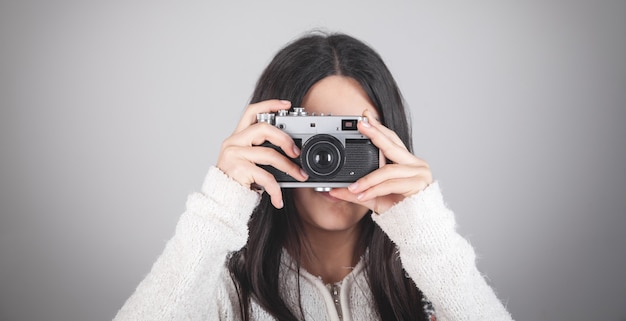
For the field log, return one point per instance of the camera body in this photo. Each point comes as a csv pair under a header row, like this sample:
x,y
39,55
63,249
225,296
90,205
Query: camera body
x,y
333,152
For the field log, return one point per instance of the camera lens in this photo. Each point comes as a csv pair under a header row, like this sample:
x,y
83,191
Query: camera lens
x,y
323,156
323,159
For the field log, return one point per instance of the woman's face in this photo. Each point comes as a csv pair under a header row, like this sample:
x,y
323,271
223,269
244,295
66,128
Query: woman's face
x,y
336,95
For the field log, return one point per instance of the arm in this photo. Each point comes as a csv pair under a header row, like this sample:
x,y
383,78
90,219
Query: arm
x,y
438,259
416,219
182,283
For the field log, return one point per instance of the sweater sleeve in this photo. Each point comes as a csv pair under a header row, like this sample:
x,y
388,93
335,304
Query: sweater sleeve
x,y
439,260
183,281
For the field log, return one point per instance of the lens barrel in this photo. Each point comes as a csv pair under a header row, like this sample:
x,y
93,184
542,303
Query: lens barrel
x,y
322,156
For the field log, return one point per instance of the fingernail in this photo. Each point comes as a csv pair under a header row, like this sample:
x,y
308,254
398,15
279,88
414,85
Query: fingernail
x,y
353,187
360,196
281,204
365,122
304,173
296,150
285,102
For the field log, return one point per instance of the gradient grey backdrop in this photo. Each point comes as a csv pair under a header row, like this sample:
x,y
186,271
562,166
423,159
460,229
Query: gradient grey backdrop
x,y
112,111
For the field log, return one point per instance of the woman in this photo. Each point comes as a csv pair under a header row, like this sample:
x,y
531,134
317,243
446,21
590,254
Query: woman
x,y
383,248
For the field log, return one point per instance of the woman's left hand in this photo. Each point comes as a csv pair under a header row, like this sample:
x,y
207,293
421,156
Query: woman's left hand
x,y
391,183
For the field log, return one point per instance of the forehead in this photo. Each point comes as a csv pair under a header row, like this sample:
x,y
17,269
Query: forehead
x,y
338,95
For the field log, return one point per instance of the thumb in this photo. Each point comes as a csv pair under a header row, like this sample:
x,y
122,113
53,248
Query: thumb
x,y
345,195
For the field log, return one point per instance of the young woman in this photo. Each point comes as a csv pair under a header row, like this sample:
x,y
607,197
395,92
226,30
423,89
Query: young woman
x,y
383,248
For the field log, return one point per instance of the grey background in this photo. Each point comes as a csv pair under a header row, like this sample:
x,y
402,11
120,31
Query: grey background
x,y
112,112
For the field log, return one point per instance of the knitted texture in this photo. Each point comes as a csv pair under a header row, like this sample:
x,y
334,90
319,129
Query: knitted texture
x,y
190,281
438,259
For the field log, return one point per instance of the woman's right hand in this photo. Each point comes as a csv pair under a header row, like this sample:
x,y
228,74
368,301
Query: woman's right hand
x,y
240,153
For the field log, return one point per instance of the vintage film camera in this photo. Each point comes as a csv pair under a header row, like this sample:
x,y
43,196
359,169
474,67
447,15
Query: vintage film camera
x,y
333,152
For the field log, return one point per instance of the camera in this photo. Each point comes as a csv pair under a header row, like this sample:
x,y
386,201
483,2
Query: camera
x,y
333,152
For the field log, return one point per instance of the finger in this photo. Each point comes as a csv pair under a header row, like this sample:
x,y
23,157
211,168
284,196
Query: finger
x,y
269,185
390,172
345,195
390,134
260,133
267,106
399,186
268,156
250,175
397,153
386,131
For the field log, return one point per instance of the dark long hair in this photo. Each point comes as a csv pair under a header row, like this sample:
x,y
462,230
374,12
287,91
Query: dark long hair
x,y
255,267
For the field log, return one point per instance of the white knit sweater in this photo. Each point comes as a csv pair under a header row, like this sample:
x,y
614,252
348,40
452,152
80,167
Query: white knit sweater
x,y
189,281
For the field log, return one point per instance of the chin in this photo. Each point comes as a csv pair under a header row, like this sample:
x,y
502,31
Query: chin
x,y
331,224
326,212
